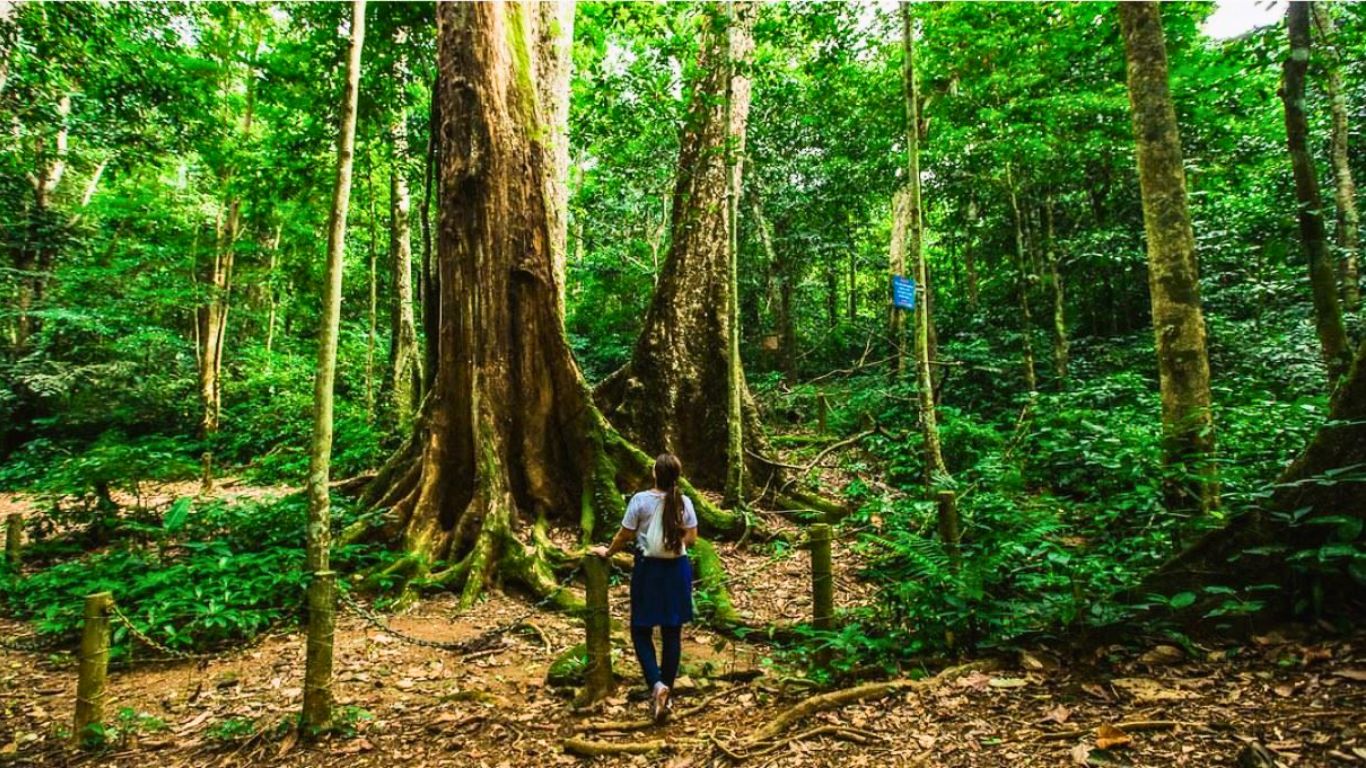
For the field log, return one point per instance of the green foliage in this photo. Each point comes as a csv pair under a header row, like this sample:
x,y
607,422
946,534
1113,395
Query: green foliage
x,y
232,729
218,573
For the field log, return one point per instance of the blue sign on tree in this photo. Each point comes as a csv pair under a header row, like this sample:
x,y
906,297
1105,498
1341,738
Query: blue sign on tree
x,y
903,292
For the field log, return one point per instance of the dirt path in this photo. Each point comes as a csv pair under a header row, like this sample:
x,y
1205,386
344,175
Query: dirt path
x,y
1303,698
414,706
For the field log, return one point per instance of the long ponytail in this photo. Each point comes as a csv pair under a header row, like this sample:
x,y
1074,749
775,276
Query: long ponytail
x,y
667,471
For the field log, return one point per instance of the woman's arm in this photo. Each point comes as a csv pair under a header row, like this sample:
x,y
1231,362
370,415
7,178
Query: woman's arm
x,y
620,542
690,536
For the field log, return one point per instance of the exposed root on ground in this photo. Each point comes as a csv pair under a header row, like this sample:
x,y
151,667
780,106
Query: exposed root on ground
x,y
836,699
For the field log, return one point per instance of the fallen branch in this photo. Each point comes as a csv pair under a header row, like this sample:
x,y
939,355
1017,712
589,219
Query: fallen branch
x,y
588,748
837,699
1133,726
855,735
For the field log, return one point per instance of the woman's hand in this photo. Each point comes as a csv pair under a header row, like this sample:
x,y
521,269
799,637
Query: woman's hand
x,y
598,551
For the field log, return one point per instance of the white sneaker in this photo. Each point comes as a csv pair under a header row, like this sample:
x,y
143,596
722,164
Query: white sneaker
x,y
659,704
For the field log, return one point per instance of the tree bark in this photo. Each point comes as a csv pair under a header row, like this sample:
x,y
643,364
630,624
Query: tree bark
x,y
508,440
901,226
405,357
1190,484
676,393
317,704
1349,219
554,70
1322,283
935,470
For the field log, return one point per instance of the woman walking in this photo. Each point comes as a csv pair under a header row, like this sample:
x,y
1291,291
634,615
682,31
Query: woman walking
x,y
661,523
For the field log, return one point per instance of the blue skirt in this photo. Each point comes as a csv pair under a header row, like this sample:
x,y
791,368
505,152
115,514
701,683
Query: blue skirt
x,y
661,592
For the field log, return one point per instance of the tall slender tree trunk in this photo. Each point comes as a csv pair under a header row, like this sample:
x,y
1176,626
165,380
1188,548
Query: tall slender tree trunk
x,y
901,227
405,357
272,297
508,441
1022,287
213,313
372,284
1349,219
970,256
1059,303
33,259
737,89
853,278
1322,283
317,705
780,280
832,295
929,423
677,393
1190,485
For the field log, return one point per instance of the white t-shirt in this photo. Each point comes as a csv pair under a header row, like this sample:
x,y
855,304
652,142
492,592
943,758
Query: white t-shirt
x,y
645,505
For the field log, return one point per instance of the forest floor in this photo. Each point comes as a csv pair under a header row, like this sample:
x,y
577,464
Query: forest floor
x,y
1300,694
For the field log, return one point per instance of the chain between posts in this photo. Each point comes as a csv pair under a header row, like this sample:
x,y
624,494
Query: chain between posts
x,y
472,645
172,654
35,644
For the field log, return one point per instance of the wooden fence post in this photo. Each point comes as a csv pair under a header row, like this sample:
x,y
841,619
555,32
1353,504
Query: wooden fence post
x,y
949,529
598,679
14,526
822,585
94,667
322,625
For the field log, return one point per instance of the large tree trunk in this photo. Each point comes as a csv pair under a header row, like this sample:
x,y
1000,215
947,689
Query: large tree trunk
x,y
405,357
554,68
317,704
1322,283
677,393
935,470
1349,220
1190,484
509,440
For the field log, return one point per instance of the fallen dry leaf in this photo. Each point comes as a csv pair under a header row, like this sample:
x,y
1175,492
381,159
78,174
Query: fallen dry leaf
x,y
1163,655
1143,691
1058,714
288,742
1358,675
1109,737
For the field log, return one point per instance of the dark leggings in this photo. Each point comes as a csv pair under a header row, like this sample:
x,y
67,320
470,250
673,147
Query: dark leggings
x,y
643,639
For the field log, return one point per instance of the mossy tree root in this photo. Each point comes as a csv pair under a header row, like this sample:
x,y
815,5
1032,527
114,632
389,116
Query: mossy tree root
x,y
711,577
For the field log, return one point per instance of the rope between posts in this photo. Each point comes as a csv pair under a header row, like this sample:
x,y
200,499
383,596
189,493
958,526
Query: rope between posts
x,y
483,641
